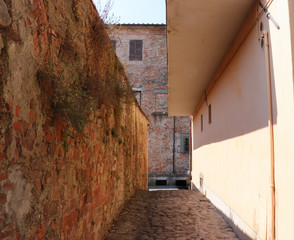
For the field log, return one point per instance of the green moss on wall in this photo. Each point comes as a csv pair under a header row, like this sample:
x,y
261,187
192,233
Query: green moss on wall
x,y
74,84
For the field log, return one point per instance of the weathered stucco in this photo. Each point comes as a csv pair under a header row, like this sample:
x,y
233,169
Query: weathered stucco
x,y
74,143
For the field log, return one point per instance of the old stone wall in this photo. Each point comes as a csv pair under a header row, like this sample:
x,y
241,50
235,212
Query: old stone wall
x,y
73,144
149,80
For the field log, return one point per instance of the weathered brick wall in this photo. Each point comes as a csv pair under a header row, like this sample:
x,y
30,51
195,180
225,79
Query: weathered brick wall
x,y
150,77
73,144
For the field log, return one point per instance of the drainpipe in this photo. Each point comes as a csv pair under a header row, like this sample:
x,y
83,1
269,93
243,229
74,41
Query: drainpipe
x,y
174,145
271,128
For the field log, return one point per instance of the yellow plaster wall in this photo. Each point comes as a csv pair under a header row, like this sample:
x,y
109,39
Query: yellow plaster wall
x,y
232,154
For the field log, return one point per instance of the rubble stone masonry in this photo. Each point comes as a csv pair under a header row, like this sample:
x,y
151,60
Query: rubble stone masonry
x,y
73,144
150,82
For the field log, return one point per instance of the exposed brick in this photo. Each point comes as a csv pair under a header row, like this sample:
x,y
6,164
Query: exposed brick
x,y
69,221
2,220
58,129
17,236
49,137
69,178
17,108
53,225
2,156
50,209
32,137
9,186
3,176
17,125
41,232
9,106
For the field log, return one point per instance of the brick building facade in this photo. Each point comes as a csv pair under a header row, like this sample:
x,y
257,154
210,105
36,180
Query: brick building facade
x,y
143,51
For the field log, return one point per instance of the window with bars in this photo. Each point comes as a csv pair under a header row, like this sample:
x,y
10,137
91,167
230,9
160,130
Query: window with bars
x,y
136,50
185,143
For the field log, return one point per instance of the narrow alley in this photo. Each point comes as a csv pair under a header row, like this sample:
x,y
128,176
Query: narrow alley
x,y
170,215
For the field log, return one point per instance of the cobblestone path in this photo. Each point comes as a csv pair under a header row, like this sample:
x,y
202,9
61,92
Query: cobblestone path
x,y
170,215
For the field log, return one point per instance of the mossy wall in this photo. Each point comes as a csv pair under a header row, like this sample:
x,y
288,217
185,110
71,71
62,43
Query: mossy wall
x,y
73,144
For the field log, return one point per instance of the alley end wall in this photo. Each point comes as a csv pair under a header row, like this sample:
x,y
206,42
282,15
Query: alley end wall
x,y
142,48
74,142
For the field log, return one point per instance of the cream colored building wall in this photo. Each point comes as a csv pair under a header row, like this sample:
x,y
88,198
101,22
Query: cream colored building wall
x,y
232,154
291,13
284,129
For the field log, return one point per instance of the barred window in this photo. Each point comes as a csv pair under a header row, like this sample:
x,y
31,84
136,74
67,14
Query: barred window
x,y
185,143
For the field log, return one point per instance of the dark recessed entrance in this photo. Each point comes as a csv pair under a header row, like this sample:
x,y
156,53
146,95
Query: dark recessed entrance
x,y
181,183
161,182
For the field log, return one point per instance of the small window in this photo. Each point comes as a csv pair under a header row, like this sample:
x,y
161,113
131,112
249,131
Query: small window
x,y
209,113
114,44
201,123
181,183
136,50
138,96
161,182
185,143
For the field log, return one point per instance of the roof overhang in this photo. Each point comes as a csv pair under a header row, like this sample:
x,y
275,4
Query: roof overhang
x,y
199,34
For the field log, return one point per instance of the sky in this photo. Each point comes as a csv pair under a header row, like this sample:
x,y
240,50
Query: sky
x,y
138,11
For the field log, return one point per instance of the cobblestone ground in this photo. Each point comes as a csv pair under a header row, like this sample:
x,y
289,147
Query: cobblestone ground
x,y
170,215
